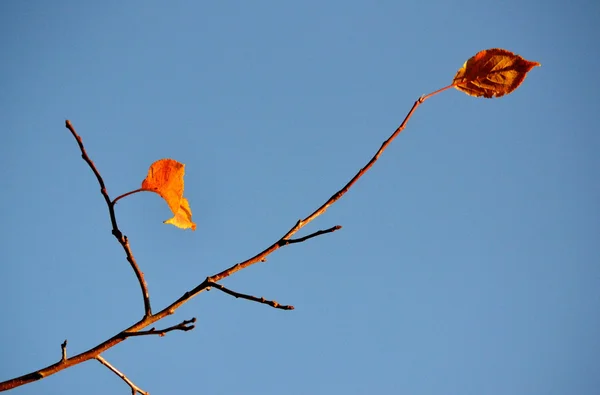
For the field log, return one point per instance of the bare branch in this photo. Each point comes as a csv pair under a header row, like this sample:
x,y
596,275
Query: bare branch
x,y
113,219
150,318
271,303
182,326
134,388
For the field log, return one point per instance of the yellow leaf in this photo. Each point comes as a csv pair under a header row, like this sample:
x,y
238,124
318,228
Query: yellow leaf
x,y
183,216
492,73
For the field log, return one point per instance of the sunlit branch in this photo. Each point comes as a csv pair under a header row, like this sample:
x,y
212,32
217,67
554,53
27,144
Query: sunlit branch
x,y
271,303
134,388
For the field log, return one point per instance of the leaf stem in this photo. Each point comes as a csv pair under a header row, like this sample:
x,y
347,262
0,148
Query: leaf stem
x,y
127,194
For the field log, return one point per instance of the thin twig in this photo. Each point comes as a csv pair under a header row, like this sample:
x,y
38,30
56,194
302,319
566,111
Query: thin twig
x,y
134,388
149,318
182,326
271,303
285,242
63,348
113,219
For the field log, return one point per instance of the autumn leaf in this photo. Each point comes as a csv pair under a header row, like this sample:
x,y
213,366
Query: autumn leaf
x,y
492,73
165,177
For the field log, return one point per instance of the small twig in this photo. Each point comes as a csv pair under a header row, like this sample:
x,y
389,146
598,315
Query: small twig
x,y
113,219
271,303
182,326
63,348
284,242
134,388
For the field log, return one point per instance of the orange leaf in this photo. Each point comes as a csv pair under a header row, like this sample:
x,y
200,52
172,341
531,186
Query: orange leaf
x,y
165,177
492,73
183,216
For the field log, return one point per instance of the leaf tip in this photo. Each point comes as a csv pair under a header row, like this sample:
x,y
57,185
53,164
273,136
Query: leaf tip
x,y
183,216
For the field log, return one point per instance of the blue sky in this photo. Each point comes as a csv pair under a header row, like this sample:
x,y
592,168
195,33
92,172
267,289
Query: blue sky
x,y
468,262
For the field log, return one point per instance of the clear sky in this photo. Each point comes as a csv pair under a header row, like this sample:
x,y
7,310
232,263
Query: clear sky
x,y
469,259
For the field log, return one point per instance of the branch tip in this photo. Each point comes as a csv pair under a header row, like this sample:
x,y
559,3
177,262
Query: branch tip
x,y
63,349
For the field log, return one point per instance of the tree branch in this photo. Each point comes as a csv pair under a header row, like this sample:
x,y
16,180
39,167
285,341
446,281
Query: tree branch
x,y
134,388
113,219
271,303
150,318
